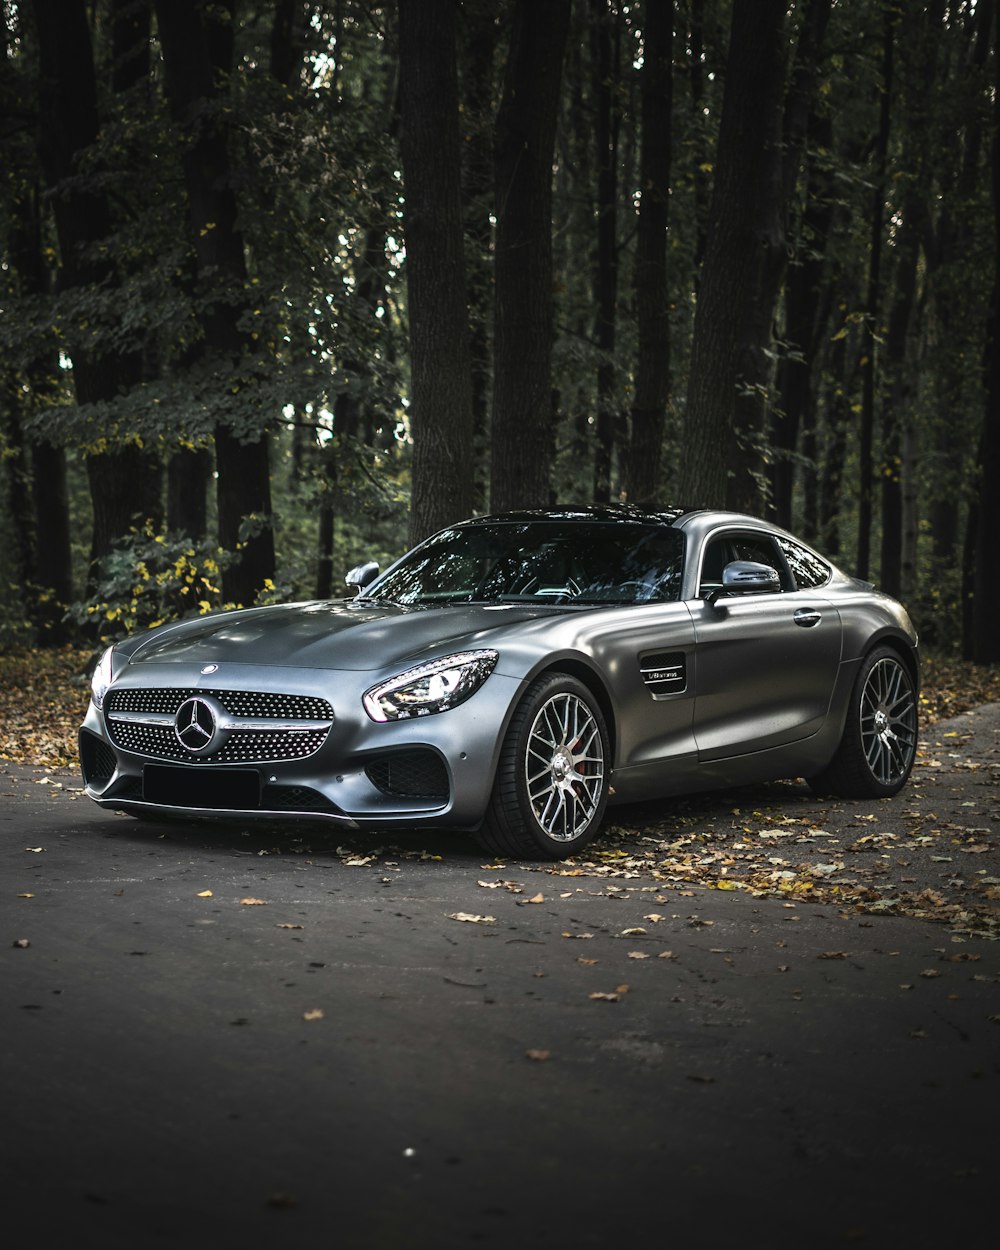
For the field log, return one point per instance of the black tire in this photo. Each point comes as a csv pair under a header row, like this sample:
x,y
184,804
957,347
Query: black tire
x,y
551,786
879,744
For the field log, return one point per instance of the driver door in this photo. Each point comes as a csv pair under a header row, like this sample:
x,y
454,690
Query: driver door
x,y
766,663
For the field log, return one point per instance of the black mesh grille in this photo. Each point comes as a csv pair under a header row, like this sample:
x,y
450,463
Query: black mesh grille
x,y
97,760
409,774
295,799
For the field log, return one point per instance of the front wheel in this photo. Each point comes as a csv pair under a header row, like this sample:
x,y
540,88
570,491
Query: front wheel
x,y
551,787
877,750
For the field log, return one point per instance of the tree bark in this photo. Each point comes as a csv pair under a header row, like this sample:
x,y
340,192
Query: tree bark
x,y
985,635
744,236
604,51
440,360
197,52
867,431
477,52
652,296
119,484
523,434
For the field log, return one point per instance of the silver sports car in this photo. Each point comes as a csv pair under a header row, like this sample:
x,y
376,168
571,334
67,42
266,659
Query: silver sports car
x,y
511,676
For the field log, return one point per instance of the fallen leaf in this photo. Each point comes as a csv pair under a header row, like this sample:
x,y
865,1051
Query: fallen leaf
x,y
471,918
637,955
598,996
22,943
315,1014
833,955
252,902
539,1056
288,926
205,894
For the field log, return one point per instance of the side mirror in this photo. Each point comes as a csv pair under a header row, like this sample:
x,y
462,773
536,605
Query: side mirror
x,y
746,577
362,576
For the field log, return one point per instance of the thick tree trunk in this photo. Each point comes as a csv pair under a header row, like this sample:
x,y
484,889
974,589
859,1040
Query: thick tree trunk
x,y
197,51
120,485
652,297
985,615
440,361
523,438
744,236
604,51
39,502
477,81
869,356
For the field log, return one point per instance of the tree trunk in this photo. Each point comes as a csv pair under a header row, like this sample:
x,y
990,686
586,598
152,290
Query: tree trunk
x,y
898,397
39,503
440,362
744,236
985,634
197,52
604,51
867,432
525,136
477,79
652,296
119,482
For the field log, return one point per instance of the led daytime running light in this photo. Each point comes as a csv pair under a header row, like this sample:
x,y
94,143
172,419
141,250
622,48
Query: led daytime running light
x,y
430,688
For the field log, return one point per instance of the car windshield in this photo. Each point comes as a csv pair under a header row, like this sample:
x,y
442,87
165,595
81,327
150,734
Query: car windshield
x,y
539,561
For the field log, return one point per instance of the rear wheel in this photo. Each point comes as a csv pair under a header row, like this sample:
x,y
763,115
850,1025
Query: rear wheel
x,y
551,787
877,750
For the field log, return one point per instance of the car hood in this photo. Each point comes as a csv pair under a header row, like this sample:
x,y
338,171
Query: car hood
x,y
339,635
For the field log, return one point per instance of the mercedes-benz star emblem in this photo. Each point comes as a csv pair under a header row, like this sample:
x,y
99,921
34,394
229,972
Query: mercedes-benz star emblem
x,y
195,725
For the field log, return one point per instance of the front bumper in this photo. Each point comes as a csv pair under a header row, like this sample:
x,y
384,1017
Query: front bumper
x,y
430,770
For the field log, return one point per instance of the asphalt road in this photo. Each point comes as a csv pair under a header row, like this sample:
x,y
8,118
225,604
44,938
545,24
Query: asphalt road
x,y
211,1037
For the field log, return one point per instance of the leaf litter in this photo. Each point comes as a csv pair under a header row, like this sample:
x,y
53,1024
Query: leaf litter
x,y
762,849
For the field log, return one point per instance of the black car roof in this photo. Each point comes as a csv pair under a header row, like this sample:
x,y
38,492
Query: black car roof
x,y
572,513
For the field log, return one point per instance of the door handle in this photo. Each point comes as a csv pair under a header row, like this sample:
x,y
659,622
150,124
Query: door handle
x,y
807,617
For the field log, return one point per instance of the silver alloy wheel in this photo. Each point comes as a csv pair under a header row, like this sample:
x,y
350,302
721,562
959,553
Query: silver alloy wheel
x,y
564,767
888,721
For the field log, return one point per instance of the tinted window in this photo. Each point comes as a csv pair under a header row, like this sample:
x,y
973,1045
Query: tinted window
x,y
808,570
540,560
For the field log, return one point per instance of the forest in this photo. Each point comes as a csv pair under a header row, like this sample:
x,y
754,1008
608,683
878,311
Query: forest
x,y
286,285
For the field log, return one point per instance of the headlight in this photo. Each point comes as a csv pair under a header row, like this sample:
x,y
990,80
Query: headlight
x,y
102,679
430,688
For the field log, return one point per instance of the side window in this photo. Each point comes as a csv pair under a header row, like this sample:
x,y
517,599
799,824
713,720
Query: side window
x,y
808,570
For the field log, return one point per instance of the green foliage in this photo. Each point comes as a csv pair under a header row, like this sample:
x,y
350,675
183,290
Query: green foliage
x,y
150,578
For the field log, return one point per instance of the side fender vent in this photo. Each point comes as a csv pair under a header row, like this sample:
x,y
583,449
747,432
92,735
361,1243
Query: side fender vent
x,y
664,673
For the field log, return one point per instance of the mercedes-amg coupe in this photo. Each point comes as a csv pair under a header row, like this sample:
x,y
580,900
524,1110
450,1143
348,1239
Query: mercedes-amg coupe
x,y
513,675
